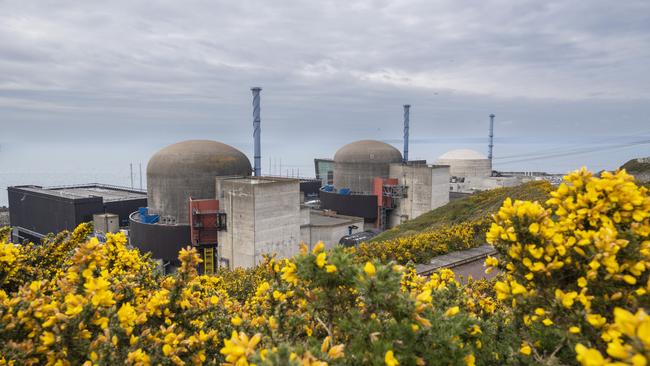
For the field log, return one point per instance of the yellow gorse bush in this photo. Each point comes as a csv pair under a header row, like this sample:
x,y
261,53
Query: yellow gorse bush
x,y
574,289
105,304
421,247
578,268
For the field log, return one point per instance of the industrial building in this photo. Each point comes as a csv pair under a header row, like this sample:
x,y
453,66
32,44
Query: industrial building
x,y
36,211
175,174
372,181
207,194
324,171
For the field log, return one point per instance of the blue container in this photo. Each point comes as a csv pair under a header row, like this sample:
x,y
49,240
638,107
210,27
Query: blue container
x,y
328,188
344,191
146,218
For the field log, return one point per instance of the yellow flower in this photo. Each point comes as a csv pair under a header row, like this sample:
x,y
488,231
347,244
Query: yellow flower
x,y
127,317
596,320
390,359
525,349
336,351
475,330
319,247
236,320
369,268
320,259
138,358
330,268
617,350
582,282
452,311
48,338
470,360
574,330
239,347
589,356
325,345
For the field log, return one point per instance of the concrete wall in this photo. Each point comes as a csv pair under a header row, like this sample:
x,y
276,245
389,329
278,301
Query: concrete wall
x,y
329,230
427,188
277,218
468,167
358,176
263,217
237,242
439,186
473,184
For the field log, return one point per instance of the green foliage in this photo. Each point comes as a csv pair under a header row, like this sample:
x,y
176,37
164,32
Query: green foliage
x,y
468,209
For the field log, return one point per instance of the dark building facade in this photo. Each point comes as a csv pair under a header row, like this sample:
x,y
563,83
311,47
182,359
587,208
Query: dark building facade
x,y
36,211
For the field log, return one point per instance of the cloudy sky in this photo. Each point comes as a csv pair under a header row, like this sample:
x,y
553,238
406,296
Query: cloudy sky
x,y
91,86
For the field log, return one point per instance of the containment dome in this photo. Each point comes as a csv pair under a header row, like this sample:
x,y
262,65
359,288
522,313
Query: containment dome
x,y
466,163
357,163
188,169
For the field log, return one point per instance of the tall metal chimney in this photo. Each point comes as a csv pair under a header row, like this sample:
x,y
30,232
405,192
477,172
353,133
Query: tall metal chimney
x,y
406,132
491,145
257,170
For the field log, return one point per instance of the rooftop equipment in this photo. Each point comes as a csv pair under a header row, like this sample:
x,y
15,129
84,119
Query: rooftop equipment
x,y
406,132
256,132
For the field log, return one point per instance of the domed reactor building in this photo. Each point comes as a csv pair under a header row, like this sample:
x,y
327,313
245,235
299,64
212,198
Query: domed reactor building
x,y
373,180
175,175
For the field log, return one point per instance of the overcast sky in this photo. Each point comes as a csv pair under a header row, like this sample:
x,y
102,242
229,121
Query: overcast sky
x,y
90,86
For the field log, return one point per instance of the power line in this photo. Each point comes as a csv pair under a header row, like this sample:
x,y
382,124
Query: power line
x,y
576,152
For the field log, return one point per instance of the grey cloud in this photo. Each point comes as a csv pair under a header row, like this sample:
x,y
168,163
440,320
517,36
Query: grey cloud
x,y
554,72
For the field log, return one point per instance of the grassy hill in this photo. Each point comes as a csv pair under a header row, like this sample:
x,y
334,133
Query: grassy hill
x,y
472,208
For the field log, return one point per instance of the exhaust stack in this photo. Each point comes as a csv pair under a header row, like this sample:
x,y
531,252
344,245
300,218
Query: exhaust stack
x,y
491,144
406,132
257,157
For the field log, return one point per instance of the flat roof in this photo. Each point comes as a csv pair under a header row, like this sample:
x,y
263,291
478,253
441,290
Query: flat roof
x,y
261,180
108,193
320,218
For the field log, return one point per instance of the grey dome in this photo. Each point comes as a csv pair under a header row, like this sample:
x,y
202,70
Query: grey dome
x,y
188,169
368,151
194,156
358,163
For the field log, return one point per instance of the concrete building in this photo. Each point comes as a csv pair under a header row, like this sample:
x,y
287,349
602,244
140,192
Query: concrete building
x,y
36,211
326,226
263,217
427,188
358,163
106,223
174,174
324,170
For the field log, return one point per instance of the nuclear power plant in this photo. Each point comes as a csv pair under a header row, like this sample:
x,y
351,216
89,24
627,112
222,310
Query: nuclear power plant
x,y
207,194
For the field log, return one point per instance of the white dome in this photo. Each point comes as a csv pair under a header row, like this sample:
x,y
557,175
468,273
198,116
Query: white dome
x,y
462,154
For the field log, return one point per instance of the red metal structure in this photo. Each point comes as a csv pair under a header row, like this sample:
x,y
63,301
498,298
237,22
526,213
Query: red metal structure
x,y
387,191
205,223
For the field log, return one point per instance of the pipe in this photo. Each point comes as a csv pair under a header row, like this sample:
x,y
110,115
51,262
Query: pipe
x,y
491,144
406,132
256,131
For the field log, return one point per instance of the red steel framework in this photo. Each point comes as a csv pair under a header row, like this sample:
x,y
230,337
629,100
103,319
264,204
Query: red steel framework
x,y
387,191
205,223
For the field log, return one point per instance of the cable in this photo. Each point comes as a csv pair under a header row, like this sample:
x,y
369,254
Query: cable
x,y
581,152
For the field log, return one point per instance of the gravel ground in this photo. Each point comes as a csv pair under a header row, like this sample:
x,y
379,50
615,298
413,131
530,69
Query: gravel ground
x,y
474,269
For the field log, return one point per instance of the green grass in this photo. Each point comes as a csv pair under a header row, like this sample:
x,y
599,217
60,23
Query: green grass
x,y
474,207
